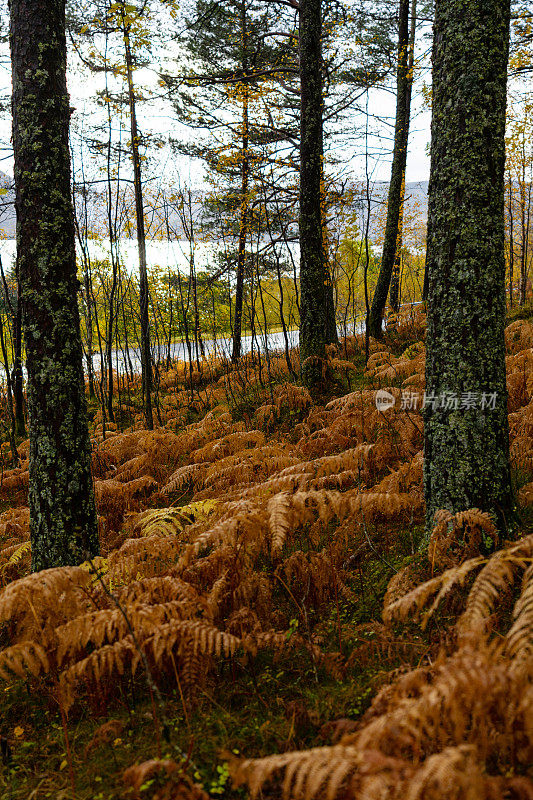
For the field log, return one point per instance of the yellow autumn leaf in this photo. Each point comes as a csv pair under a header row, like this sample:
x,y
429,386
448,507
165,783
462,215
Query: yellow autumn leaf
x,y
18,731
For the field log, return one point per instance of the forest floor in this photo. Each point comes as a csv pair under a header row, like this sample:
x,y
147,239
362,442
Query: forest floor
x,y
265,588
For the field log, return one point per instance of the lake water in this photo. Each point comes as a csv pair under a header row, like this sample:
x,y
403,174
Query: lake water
x,y
173,255
163,254
275,342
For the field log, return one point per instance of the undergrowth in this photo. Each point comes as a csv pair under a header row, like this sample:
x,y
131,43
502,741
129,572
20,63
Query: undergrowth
x,y
262,618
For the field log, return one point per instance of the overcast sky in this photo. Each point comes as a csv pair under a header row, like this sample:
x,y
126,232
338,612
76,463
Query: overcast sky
x,y
157,117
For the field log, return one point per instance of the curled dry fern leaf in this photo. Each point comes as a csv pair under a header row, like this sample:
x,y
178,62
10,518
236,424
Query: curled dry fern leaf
x,y
456,537
201,637
318,772
455,773
495,580
111,624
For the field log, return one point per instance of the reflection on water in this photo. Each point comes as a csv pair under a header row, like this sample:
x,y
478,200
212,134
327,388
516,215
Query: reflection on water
x,y
130,360
219,347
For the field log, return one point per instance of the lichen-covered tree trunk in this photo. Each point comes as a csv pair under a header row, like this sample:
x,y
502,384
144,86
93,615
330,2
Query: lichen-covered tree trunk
x,y
466,428
397,181
63,522
315,285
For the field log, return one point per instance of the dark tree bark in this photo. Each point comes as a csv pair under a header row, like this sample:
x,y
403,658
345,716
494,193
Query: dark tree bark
x,y
63,522
18,379
511,241
146,357
112,312
467,448
244,211
316,304
397,182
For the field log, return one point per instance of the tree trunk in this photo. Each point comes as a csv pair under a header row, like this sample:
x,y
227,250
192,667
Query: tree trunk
x,y
244,212
146,358
511,241
9,398
18,378
394,293
466,436
63,522
315,309
397,181
331,320
89,325
112,317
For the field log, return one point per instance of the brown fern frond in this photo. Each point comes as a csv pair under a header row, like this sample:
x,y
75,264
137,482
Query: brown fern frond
x,y
146,557
99,667
196,635
160,589
228,445
519,640
456,537
328,773
473,682
435,738
21,659
41,599
14,482
109,625
15,524
454,773
496,578
414,601
518,336
185,476
279,511
134,468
